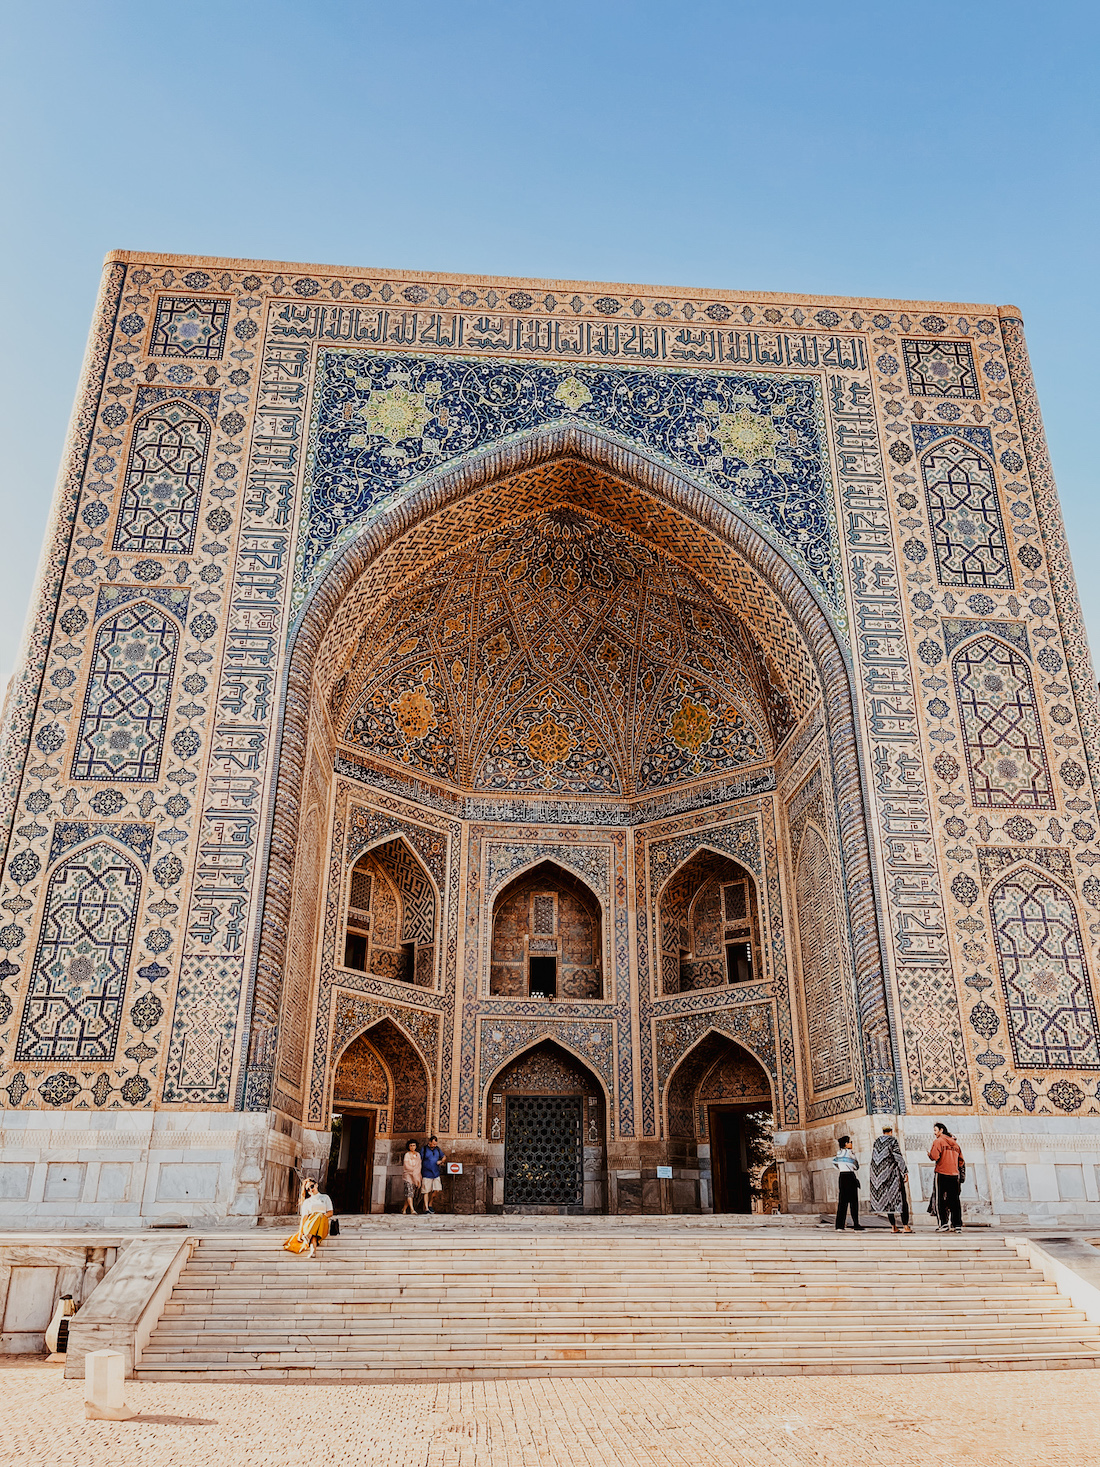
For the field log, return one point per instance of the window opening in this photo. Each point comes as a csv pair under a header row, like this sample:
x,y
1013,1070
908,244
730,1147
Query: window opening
x,y
739,962
737,901
543,915
543,977
355,952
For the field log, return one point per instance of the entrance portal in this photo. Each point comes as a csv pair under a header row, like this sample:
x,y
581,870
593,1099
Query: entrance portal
x,y
351,1166
544,1151
720,1094
730,1160
546,1116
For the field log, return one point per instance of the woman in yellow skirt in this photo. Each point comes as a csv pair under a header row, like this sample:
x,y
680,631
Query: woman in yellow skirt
x,y
316,1210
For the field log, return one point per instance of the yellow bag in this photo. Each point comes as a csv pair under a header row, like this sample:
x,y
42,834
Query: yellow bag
x,y
294,1244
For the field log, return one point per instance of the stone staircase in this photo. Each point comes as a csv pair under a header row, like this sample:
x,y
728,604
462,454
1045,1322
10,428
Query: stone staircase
x,y
427,1300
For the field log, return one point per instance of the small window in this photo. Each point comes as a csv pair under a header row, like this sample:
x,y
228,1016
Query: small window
x,y
408,962
543,977
360,891
739,961
542,924
355,952
737,901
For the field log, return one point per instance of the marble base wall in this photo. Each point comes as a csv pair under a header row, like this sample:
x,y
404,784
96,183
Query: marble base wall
x,y
1021,1171
75,1170
217,1169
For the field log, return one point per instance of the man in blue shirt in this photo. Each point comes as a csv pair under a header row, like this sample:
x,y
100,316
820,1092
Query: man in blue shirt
x,y
431,1162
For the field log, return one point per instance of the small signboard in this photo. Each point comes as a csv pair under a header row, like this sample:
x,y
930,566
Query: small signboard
x,y
663,1172
454,1169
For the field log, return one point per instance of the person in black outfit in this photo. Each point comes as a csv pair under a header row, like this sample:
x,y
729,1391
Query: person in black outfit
x,y
848,1189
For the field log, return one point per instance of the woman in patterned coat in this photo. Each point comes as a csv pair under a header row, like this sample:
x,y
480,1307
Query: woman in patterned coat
x,y
888,1172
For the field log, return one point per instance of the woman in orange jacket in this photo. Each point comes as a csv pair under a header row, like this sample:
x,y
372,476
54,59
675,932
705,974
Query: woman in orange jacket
x,y
947,1154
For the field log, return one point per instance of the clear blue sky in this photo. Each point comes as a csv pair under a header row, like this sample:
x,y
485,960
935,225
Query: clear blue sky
x,y
942,152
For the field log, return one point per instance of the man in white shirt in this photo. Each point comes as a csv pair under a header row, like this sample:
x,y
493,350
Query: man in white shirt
x,y
848,1190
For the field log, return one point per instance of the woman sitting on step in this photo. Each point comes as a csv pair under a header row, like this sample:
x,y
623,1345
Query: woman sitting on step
x,y
316,1210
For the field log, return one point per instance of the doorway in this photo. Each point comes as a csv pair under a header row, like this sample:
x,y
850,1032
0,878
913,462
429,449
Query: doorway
x,y
544,1151
729,1158
351,1161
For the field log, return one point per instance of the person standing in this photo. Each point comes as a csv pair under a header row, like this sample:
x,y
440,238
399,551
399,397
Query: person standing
x,y
431,1164
848,1184
411,1166
946,1152
888,1172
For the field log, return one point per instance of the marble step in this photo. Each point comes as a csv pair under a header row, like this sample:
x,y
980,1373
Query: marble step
x,y
677,1369
414,1346
672,1316
610,1356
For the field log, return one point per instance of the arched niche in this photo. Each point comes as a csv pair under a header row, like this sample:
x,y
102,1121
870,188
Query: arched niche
x,y
409,1085
546,1112
391,916
547,937
709,925
381,1096
719,1102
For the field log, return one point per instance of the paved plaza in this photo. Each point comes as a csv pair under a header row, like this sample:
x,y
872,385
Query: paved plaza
x,y
981,1419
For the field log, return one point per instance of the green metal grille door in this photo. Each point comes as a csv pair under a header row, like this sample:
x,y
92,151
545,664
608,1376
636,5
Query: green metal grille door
x,y
543,1151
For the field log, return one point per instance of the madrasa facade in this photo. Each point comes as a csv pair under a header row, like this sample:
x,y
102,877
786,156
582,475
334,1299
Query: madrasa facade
x,y
578,720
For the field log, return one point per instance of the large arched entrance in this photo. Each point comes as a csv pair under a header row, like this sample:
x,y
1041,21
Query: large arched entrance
x,y
543,675
380,1100
720,1108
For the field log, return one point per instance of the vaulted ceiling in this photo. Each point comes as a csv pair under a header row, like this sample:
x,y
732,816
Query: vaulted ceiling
x,y
561,655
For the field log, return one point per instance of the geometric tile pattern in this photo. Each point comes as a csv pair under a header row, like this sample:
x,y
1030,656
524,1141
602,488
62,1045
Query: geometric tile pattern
x,y
940,369
261,342
189,326
1051,1012
200,1056
126,704
968,536
163,483
417,892
1003,742
828,1042
1063,586
78,982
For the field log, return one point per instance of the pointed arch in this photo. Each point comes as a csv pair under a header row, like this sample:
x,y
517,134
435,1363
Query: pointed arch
x,y
360,1066
391,907
1006,756
548,1036
162,485
1041,958
964,511
709,923
679,1120
566,466
74,1004
547,930
126,700
409,1076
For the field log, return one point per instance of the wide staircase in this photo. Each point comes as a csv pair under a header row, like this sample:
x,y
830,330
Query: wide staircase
x,y
432,1301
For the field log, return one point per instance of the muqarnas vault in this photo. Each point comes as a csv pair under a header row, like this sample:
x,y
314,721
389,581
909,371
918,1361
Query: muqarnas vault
x,y
570,719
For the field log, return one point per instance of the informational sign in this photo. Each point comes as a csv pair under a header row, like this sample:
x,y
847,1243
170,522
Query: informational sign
x,y
664,1171
454,1169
